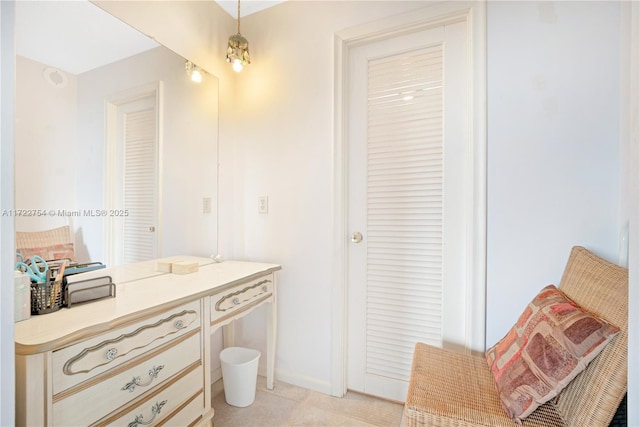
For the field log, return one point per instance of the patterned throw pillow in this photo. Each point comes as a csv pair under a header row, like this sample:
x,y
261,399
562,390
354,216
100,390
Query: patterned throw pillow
x,y
551,343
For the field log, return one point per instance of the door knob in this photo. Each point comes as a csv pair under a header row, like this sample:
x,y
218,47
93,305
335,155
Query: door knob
x,y
356,237
152,229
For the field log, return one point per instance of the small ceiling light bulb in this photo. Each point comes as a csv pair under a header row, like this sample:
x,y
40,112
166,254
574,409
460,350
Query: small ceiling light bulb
x,y
196,76
237,65
195,73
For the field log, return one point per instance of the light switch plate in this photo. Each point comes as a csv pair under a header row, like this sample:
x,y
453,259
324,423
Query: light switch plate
x,y
206,205
263,204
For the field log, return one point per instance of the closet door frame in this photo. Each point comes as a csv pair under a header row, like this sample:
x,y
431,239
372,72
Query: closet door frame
x,y
474,14
112,104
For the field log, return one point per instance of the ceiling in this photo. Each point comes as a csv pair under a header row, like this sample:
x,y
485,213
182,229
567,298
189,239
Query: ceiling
x,y
77,36
247,7
74,36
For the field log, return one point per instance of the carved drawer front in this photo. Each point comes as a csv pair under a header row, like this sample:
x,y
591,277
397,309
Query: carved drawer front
x,y
232,301
95,398
189,414
161,405
80,362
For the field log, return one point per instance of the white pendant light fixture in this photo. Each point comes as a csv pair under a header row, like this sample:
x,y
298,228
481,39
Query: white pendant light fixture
x,y
238,49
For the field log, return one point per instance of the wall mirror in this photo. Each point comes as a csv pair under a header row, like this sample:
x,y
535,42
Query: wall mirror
x,y
112,137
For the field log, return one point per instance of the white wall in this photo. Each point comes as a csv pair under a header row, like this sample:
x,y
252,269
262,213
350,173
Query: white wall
x,y
553,145
45,140
7,247
286,94
630,157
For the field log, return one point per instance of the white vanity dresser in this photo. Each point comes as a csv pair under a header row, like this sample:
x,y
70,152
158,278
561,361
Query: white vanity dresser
x,y
143,357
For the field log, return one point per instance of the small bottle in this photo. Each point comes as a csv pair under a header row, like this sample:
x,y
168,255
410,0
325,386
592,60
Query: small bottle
x,y
22,296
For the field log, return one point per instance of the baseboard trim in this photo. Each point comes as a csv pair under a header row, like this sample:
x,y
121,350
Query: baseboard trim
x,y
216,374
284,376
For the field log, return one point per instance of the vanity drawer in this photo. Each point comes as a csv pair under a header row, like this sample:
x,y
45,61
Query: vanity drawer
x,y
162,404
81,405
190,414
80,362
235,299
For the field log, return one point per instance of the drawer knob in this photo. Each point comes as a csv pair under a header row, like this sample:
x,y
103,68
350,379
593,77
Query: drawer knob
x,y
179,324
265,288
236,301
153,374
139,419
111,353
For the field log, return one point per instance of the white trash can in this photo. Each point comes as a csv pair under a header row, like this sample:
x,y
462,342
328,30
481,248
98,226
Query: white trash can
x,y
239,375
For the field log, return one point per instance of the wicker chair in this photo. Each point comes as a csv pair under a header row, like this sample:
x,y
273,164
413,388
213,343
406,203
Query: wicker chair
x,y
43,243
452,389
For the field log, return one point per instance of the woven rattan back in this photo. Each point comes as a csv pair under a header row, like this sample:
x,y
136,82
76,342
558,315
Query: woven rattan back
x,y
39,239
600,287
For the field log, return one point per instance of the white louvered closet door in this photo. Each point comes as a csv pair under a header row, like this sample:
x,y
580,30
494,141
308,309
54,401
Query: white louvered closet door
x,y
138,198
406,130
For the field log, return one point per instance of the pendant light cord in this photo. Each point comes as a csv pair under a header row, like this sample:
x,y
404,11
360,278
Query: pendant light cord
x,y
238,16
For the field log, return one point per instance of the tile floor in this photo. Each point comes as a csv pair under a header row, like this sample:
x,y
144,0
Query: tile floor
x,y
288,405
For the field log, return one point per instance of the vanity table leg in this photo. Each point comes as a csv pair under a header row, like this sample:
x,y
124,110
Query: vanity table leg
x,y
228,338
33,391
271,341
